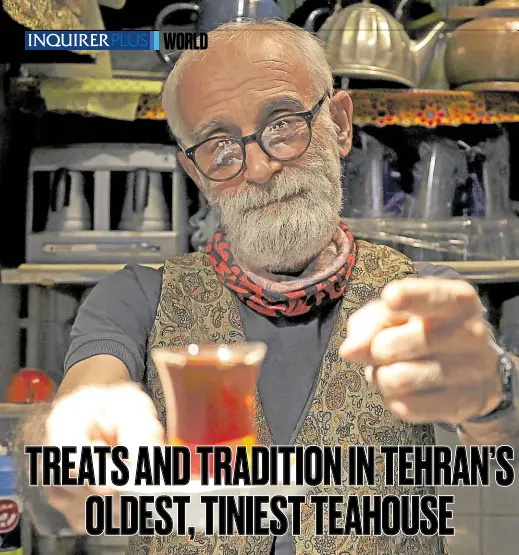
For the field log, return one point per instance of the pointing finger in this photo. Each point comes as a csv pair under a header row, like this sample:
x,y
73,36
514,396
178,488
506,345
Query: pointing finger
x,y
364,325
432,297
418,338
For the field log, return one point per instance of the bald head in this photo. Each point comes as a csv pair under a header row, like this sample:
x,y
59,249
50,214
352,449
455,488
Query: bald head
x,y
235,51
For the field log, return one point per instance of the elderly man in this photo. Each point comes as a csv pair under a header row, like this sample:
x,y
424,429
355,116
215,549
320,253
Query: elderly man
x,y
359,351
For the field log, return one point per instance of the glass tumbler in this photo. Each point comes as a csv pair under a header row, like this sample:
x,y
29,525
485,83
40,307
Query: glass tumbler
x,y
209,395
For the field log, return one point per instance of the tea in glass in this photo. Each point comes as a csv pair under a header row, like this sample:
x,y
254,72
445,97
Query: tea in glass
x,y
209,395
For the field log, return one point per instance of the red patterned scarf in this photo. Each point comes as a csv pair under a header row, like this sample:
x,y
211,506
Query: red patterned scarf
x,y
273,295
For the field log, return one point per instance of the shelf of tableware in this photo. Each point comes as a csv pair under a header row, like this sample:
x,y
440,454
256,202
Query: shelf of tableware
x,y
380,108
49,275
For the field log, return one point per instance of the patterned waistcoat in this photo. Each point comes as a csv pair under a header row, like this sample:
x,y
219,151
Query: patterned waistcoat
x,y
195,307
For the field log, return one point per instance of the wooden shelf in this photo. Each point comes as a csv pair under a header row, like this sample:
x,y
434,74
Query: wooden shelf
x,y
480,272
54,274
49,275
380,108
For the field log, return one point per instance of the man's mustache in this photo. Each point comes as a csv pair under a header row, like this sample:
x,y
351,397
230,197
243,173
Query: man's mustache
x,y
259,195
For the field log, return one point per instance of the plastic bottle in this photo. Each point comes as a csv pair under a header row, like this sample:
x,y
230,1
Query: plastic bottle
x,y
10,510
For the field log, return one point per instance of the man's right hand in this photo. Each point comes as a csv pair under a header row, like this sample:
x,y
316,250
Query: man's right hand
x,y
98,415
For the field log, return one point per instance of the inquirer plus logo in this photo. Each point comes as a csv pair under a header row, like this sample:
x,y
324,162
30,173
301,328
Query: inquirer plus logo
x,y
114,40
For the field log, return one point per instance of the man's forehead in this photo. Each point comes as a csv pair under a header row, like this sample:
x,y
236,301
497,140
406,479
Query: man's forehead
x,y
229,61
257,70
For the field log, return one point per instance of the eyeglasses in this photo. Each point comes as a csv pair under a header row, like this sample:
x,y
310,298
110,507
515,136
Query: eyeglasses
x,y
285,138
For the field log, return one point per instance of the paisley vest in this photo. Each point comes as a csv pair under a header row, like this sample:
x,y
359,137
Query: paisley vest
x,y
195,307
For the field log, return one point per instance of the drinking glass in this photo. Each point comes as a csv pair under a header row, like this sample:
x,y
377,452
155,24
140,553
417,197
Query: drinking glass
x,y
209,395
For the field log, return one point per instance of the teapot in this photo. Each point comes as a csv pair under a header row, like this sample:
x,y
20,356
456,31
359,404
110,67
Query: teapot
x,y
364,41
212,13
491,61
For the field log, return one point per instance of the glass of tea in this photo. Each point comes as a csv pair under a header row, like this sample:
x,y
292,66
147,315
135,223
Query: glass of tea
x,y
209,395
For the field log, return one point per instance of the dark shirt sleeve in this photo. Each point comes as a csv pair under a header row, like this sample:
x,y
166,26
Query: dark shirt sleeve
x,y
116,319
427,270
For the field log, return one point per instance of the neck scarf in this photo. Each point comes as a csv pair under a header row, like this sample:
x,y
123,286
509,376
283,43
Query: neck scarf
x,y
324,280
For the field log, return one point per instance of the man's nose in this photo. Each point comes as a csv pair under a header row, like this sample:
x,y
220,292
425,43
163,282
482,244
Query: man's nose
x,y
259,167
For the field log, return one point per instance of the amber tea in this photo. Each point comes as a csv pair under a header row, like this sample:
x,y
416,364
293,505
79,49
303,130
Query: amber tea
x,y
209,394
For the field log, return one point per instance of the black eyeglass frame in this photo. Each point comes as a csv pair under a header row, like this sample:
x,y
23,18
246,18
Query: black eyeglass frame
x,y
307,115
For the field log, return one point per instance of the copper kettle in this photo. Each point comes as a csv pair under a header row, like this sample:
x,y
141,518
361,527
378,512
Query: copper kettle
x,y
483,53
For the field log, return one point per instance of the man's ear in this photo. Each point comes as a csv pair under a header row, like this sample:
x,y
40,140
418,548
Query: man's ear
x,y
341,108
189,167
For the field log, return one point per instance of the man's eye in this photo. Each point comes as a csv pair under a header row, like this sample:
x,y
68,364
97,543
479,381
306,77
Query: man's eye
x,y
278,125
220,144
224,142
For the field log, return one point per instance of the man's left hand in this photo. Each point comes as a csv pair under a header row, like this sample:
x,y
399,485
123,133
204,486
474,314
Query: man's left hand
x,y
428,350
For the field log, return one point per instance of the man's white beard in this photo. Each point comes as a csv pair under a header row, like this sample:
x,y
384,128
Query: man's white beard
x,y
286,236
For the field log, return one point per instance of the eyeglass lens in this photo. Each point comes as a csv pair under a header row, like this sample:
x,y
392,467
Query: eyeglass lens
x,y
283,139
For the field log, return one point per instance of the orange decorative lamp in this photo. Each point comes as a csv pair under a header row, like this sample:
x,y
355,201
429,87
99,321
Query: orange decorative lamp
x,y
30,385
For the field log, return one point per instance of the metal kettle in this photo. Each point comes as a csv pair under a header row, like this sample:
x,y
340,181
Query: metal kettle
x,y
209,14
364,41
69,210
144,206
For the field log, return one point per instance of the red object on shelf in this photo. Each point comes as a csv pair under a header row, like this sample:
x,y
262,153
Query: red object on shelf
x,y
30,385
